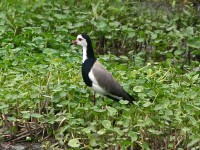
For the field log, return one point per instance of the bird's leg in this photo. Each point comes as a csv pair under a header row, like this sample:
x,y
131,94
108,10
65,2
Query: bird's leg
x,y
104,107
94,98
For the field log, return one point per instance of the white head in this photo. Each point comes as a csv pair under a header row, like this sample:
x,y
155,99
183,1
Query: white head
x,y
85,41
80,40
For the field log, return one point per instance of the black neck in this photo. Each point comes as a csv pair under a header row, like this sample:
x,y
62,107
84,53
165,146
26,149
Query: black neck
x,y
90,51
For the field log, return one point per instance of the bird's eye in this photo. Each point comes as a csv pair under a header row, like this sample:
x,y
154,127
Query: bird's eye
x,y
80,39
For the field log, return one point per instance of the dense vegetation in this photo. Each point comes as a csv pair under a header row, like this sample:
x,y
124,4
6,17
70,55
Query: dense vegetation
x,y
152,48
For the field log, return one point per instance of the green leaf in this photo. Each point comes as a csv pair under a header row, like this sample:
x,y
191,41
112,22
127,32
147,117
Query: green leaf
x,y
138,89
118,131
12,118
194,42
3,106
192,94
185,130
193,142
60,16
114,24
145,146
140,40
195,78
178,52
124,57
49,51
154,131
153,35
124,102
28,138
25,114
106,124
101,132
87,130
131,34
36,115
132,135
126,143
74,142
99,110
146,104
102,24
111,111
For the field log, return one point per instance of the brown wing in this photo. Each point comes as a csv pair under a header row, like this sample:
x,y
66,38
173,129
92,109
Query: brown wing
x,y
107,82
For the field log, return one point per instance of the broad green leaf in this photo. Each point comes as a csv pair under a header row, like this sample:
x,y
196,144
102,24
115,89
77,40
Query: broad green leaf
x,y
118,131
146,104
154,131
87,130
3,106
140,40
124,57
12,119
131,34
114,24
124,102
26,114
111,111
49,51
132,135
193,142
35,115
194,42
126,143
60,16
178,52
153,35
74,143
138,89
192,94
185,129
101,132
145,146
99,110
106,124
195,78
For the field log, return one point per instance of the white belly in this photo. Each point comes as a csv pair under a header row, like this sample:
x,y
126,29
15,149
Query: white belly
x,y
98,89
95,86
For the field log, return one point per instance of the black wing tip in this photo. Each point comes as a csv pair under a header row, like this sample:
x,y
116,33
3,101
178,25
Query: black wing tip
x,y
130,98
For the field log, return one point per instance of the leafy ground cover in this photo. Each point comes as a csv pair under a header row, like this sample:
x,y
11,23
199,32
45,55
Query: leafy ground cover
x,y
151,48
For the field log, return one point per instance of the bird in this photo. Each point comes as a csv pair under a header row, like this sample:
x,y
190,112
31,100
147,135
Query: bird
x,y
96,76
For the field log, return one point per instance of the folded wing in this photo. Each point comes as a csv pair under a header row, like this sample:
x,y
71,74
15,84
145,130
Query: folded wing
x,y
108,83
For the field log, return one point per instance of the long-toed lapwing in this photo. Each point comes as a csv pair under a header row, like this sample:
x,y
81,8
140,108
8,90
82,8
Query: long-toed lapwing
x,y
96,76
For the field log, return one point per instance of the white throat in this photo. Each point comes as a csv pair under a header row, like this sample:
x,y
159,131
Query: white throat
x,y
84,54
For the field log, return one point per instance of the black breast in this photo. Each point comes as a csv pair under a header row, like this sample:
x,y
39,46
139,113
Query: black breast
x,y
86,67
